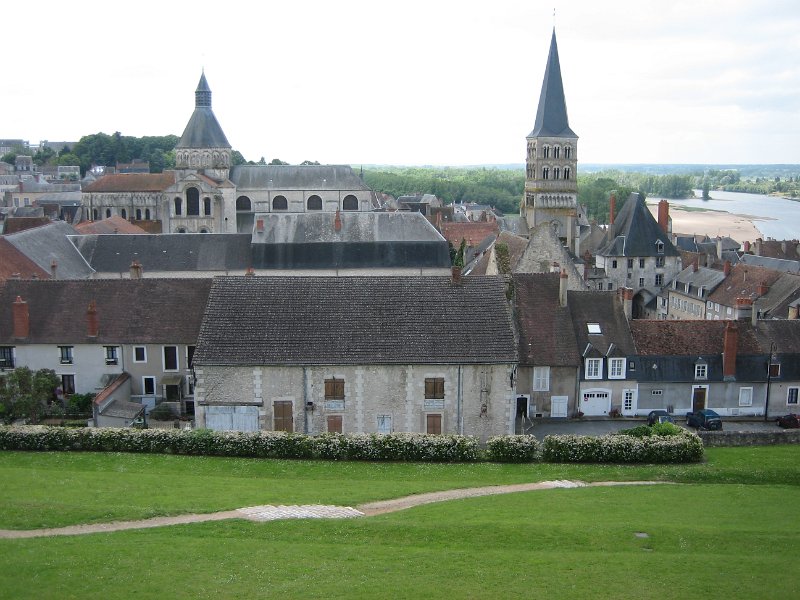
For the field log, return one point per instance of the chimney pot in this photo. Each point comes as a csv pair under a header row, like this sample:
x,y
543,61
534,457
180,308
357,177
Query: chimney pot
x,y
22,323
563,280
455,275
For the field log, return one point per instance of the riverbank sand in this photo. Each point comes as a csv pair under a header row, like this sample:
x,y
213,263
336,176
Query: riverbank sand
x,y
712,223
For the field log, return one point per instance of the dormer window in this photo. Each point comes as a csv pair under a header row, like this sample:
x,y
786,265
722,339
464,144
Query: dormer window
x,y
701,370
659,246
594,328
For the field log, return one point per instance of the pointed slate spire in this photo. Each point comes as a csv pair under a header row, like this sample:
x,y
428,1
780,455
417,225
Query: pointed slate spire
x,y
551,117
203,129
202,95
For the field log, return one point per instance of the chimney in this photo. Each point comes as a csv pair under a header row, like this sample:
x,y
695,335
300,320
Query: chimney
x,y
663,215
747,246
250,272
729,344
757,249
562,288
762,289
53,268
455,275
794,311
260,226
744,309
136,270
22,319
627,303
695,262
726,268
719,248
92,323
587,264
337,221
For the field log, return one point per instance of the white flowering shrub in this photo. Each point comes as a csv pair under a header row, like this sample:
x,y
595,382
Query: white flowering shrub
x,y
513,448
687,447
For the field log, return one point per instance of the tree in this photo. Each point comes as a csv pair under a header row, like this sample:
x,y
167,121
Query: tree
x,y
237,158
274,161
25,393
68,159
310,162
706,195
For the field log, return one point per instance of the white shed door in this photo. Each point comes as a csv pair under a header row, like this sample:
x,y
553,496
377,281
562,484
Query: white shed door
x,y
232,418
558,406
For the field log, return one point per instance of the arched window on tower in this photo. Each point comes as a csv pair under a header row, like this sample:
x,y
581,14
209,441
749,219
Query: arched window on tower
x,y
545,172
566,172
546,152
567,152
207,206
556,173
556,152
314,203
192,202
350,202
280,203
178,203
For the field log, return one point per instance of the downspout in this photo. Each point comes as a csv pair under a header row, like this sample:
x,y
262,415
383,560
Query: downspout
x,y
460,415
305,400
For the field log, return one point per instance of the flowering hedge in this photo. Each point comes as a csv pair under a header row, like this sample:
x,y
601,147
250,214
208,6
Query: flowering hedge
x,y
264,444
684,448
513,448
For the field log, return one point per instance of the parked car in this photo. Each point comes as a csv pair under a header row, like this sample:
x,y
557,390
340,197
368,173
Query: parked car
x,y
790,421
704,419
659,416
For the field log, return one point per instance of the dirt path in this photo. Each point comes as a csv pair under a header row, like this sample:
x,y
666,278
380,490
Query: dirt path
x,y
271,513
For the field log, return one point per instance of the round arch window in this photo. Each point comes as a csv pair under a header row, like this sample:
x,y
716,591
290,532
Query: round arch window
x,y
350,202
314,203
280,203
243,204
192,202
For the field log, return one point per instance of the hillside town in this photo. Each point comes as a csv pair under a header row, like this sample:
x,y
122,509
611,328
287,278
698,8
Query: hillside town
x,y
296,298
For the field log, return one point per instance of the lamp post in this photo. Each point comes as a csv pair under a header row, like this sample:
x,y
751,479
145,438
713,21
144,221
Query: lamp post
x,y
769,380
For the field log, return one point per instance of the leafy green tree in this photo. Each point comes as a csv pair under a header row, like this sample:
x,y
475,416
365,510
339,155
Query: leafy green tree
x,y
68,159
25,393
309,162
237,158
274,161
706,195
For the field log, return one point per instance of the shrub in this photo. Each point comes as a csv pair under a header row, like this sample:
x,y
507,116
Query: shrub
x,y
686,447
513,448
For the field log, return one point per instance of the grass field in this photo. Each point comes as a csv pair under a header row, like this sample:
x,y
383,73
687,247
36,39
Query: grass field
x,y
732,534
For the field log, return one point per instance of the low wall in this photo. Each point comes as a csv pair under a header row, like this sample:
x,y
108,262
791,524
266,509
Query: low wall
x,y
750,438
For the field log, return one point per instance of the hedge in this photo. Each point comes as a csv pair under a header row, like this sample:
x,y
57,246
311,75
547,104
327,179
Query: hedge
x,y
513,448
687,447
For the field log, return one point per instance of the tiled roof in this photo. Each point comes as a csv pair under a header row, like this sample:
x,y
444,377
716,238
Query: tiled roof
x,y
606,310
785,334
103,394
546,336
296,177
356,320
742,282
685,338
132,182
49,243
636,232
129,311
16,224
13,261
473,232
114,224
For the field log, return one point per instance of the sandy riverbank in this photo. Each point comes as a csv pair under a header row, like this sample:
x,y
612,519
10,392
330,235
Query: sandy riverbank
x,y
712,223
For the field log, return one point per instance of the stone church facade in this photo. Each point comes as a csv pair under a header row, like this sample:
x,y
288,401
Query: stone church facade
x,y
206,194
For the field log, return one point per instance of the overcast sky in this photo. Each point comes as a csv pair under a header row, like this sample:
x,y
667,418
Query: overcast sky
x,y
414,82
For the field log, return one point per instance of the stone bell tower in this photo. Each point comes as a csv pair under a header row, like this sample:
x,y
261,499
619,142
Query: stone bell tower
x,y
551,188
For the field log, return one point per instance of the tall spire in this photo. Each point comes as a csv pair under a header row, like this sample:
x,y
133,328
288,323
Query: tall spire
x,y
551,117
202,95
203,130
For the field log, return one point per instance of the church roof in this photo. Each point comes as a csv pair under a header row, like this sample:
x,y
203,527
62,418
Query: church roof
x,y
636,232
296,177
203,129
132,182
551,117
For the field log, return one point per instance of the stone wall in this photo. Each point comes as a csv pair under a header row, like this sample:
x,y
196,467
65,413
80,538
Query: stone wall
x,y
750,438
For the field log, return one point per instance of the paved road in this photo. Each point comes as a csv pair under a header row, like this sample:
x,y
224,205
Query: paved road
x,y
543,427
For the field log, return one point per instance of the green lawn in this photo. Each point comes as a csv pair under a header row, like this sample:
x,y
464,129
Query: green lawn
x,y
732,534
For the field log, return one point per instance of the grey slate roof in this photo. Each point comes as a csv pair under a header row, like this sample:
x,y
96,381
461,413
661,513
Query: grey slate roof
x,y
296,177
142,311
203,129
122,409
355,320
49,242
636,232
606,310
692,280
111,253
551,116
777,264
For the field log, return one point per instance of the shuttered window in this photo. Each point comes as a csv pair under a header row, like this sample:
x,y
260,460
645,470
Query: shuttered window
x,y
334,389
434,388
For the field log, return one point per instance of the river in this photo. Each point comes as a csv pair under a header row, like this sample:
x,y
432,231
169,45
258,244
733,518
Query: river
x,y
776,218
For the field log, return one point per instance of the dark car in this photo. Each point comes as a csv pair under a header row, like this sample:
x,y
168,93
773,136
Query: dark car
x,y
659,416
790,421
704,419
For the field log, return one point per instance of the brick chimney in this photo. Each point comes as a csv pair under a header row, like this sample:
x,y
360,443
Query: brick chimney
x,y
136,270
53,268
92,322
762,289
563,279
726,268
663,215
729,346
747,246
794,311
757,247
695,265
260,226
455,275
250,272
337,221
22,319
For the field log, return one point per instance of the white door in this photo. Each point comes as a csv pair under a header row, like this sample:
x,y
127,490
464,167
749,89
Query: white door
x,y
232,418
558,406
629,402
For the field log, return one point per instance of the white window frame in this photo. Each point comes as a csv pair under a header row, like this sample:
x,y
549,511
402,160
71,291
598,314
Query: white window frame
x,y
66,355
112,355
594,368
701,371
616,368
144,386
541,379
792,394
746,396
144,349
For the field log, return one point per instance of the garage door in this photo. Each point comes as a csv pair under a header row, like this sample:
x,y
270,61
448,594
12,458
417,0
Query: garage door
x,y
596,403
232,418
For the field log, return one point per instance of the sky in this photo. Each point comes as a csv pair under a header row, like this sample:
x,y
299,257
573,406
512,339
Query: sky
x,y
418,82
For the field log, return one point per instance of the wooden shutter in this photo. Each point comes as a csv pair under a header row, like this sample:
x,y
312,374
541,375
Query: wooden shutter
x,y
334,423
433,424
282,415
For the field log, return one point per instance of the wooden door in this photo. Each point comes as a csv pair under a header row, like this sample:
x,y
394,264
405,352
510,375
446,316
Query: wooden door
x,y
433,424
698,399
334,423
282,415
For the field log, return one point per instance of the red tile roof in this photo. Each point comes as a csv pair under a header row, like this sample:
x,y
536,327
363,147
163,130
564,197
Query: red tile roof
x,y
115,224
13,261
133,182
683,338
17,224
474,233
743,282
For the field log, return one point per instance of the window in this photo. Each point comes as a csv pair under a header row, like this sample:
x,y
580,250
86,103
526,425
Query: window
x,y
434,388
700,371
567,151
594,328
631,366
746,396
556,173
138,214
123,213
630,263
178,203
613,264
567,173
433,424
108,213
243,204
111,355
660,247
627,403
65,353
716,306
189,356
641,281
774,370
641,263
170,358
657,392
139,354
659,261
659,280
147,214
616,368
6,357
149,386
541,379
791,396
280,203
350,202
68,384
729,311
546,153
207,206
545,172
610,286
314,203
594,368
192,202
95,214
334,389
384,424
556,151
